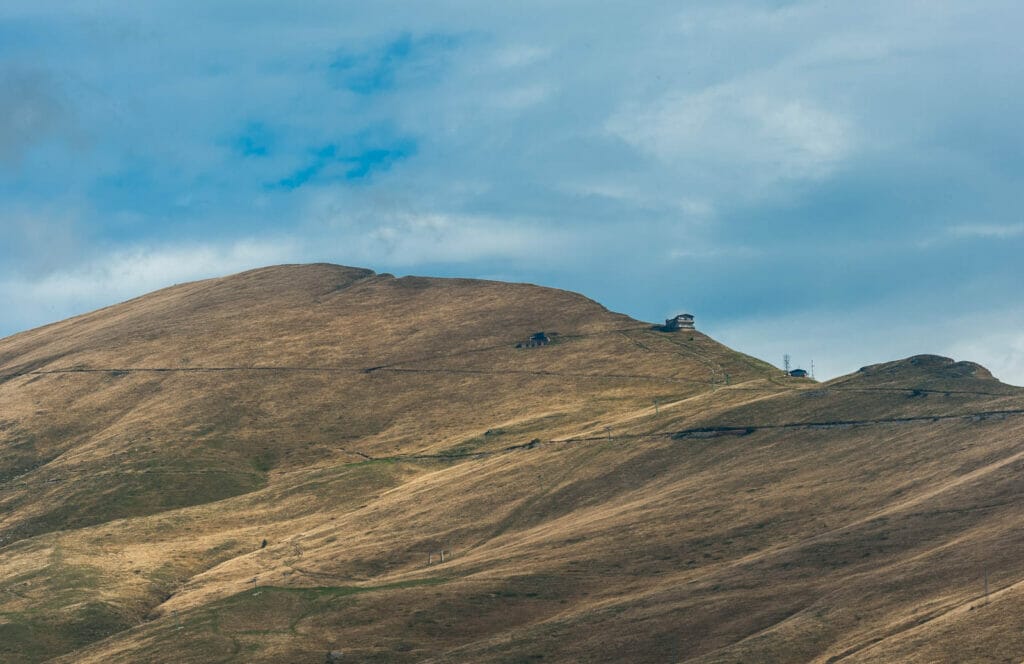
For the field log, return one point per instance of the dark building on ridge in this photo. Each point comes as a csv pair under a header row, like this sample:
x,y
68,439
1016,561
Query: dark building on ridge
x,y
680,322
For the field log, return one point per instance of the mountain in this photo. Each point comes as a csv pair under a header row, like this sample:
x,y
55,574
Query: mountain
x,y
267,467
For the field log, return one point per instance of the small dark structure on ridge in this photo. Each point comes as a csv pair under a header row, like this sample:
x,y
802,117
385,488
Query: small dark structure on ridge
x,y
538,339
798,373
680,322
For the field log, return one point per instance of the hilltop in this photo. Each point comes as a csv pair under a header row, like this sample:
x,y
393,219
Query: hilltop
x,y
266,467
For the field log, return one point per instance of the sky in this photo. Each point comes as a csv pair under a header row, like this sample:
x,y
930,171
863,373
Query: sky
x,y
838,181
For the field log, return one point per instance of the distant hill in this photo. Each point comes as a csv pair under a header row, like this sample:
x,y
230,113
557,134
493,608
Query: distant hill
x,y
266,468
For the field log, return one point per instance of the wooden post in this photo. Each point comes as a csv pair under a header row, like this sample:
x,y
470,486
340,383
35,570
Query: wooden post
x,y
442,555
430,558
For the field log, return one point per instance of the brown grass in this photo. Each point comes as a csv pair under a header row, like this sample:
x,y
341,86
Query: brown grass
x,y
358,422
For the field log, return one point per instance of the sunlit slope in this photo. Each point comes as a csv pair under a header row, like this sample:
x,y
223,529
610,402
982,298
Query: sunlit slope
x,y
283,367
622,494
220,388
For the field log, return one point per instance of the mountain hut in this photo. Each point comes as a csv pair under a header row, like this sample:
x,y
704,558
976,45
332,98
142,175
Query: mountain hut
x,y
680,322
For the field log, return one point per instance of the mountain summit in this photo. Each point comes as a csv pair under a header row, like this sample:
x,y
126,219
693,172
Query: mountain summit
x,y
313,461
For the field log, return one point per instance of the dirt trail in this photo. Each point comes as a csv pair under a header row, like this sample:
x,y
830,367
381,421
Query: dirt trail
x,y
695,433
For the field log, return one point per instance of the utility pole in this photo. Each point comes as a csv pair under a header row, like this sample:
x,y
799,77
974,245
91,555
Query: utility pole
x,y
812,368
785,362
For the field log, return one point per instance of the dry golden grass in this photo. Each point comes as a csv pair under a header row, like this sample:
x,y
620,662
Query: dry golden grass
x,y
359,423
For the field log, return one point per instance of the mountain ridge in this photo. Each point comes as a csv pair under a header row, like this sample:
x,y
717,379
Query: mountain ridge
x,y
621,493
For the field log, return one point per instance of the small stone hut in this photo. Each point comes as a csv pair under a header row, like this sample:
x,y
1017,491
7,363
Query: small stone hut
x,y
538,339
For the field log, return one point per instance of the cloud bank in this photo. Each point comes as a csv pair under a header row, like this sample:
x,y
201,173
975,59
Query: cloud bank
x,y
839,182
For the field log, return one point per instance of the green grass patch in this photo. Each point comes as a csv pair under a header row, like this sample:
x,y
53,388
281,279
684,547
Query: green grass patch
x,y
265,461
322,592
37,636
271,611
139,490
465,447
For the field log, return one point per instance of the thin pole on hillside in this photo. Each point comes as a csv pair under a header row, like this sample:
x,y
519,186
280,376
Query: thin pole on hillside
x,y
609,430
785,362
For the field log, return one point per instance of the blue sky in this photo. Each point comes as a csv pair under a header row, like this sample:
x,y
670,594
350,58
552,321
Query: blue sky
x,y
837,181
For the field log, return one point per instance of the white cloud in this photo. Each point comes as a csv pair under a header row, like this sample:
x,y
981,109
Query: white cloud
x,y
757,136
849,47
139,270
521,97
405,239
692,209
520,55
395,240
128,273
1001,352
968,231
700,252
440,238
994,231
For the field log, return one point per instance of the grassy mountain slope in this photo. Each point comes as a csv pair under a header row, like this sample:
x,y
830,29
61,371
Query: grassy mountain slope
x,y
622,493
